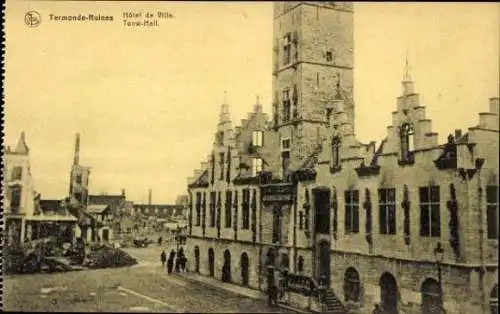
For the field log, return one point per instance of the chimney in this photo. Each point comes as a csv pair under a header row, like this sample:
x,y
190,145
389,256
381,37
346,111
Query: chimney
x,y
123,192
76,160
150,197
458,134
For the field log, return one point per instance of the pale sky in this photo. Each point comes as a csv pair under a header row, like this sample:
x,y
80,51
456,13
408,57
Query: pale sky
x,y
146,100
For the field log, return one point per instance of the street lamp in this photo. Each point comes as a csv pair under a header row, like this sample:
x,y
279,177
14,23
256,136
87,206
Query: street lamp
x,y
439,254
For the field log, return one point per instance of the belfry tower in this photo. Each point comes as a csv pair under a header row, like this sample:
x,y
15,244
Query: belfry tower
x,y
313,58
79,178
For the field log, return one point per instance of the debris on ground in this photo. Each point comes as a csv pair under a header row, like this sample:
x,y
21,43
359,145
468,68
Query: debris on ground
x,y
105,257
50,255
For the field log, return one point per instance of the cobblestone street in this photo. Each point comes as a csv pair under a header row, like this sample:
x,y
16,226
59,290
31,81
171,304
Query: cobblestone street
x,y
143,287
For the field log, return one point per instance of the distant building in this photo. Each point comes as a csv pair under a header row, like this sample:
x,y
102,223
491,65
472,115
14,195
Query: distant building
x,y
27,215
18,192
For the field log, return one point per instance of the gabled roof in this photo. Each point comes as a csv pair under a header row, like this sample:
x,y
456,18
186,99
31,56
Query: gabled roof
x,y
202,180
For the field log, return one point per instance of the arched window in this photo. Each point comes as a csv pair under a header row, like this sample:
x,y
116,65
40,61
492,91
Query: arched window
x,y
352,285
431,297
407,142
494,300
335,152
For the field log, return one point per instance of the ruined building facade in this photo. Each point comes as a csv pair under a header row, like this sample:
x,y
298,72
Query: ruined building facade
x,y
408,223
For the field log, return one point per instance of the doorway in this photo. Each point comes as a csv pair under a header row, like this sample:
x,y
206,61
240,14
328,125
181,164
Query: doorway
x,y
324,271
211,262
389,293
244,269
226,268
197,259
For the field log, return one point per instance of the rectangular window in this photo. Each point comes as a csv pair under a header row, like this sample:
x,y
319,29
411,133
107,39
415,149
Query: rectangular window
x,y
79,178
257,138
229,204
387,210
15,197
17,173
301,220
351,211
286,105
430,220
256,166
245,215
213,197
198,208
285,144
221,163
287,49
492,211
285,155
329,56
276,227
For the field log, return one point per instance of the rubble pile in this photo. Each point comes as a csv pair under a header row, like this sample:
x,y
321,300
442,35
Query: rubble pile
x,y
42,255
107,257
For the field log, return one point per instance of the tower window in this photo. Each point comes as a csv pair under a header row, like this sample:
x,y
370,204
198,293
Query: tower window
x,y
285,155
407,142
15,197
430,220
79,178
287,49
257,138
329,56
256,166
285,144
221,163
286,105
17,173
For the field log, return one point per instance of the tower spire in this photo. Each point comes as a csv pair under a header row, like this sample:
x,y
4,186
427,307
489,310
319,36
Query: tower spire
x,y
407,74
224,111
76,159
258,106
407,82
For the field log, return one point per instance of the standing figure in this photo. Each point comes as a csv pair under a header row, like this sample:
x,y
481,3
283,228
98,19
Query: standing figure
x,y
170,263
163,258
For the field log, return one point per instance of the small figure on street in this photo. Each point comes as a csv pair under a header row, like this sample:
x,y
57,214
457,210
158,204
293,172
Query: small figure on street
x,y
183,264
170,262
163,258
160,240
272,295
179,260
377,309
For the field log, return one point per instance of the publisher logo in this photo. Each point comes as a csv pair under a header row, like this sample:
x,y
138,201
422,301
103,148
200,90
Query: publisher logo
x,y
32,19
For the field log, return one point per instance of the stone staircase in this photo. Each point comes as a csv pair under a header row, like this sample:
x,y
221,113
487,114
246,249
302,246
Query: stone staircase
x,y
332,304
